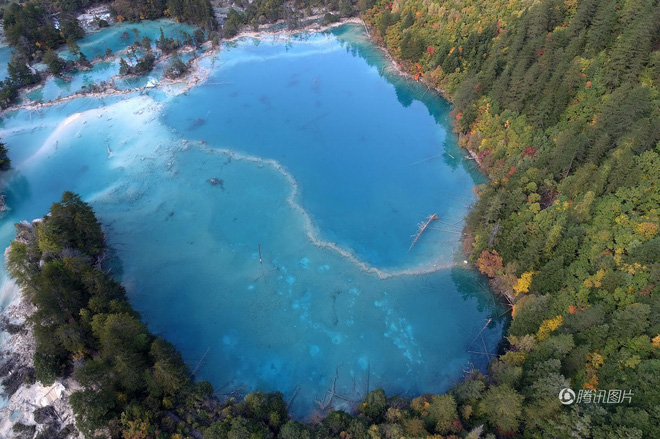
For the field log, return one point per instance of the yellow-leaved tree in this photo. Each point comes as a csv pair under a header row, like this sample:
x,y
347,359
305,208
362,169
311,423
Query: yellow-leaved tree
x,y
656,341
522,285
548,326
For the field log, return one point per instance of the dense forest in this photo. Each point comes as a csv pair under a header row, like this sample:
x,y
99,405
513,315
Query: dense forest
x,y
198,12
558,101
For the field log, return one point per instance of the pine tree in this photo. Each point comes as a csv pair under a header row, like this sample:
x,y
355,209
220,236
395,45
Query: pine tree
x,y
124,68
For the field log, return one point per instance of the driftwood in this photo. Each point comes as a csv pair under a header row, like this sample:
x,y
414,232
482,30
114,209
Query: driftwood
x,y
480,332
215,181
425,160
265,273
422,227
331,394
483,342
199,363
293,396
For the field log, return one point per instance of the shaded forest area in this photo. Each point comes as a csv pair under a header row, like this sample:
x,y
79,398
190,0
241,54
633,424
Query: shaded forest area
x,y
292,13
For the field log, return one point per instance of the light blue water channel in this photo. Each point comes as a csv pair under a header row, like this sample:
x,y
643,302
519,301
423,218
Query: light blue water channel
x,y
327,162
5,56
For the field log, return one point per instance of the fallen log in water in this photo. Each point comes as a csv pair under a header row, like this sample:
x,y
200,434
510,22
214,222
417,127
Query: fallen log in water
x,y
422,227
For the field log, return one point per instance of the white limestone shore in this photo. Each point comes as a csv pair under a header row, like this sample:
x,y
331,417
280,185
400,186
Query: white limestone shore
x,y
16,358
313,27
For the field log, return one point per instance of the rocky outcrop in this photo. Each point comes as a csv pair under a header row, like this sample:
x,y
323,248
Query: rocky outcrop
x,y
31,407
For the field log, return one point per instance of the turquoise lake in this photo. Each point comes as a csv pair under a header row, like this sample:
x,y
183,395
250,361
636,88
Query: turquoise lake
x,y
296,270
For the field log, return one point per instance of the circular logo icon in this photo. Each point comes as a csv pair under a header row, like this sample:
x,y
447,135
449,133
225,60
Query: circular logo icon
x,y
566,396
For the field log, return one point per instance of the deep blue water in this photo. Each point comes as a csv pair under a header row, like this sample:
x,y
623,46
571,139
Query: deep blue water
x,y
371,159
328,160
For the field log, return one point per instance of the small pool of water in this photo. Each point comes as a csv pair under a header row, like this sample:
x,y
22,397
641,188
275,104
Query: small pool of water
x,y
117,39
71,83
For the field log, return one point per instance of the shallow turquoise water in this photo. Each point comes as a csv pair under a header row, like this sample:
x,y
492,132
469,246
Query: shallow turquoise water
x,y
327,163
72,83
120,36
116,38
5,56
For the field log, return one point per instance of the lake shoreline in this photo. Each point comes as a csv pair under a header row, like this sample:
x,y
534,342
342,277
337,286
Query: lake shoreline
x,y
400,70
505,298
313,27
195,77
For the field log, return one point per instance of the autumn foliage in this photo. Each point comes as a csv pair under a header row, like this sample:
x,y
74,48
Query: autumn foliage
x,y
522,285
548,326
490,263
